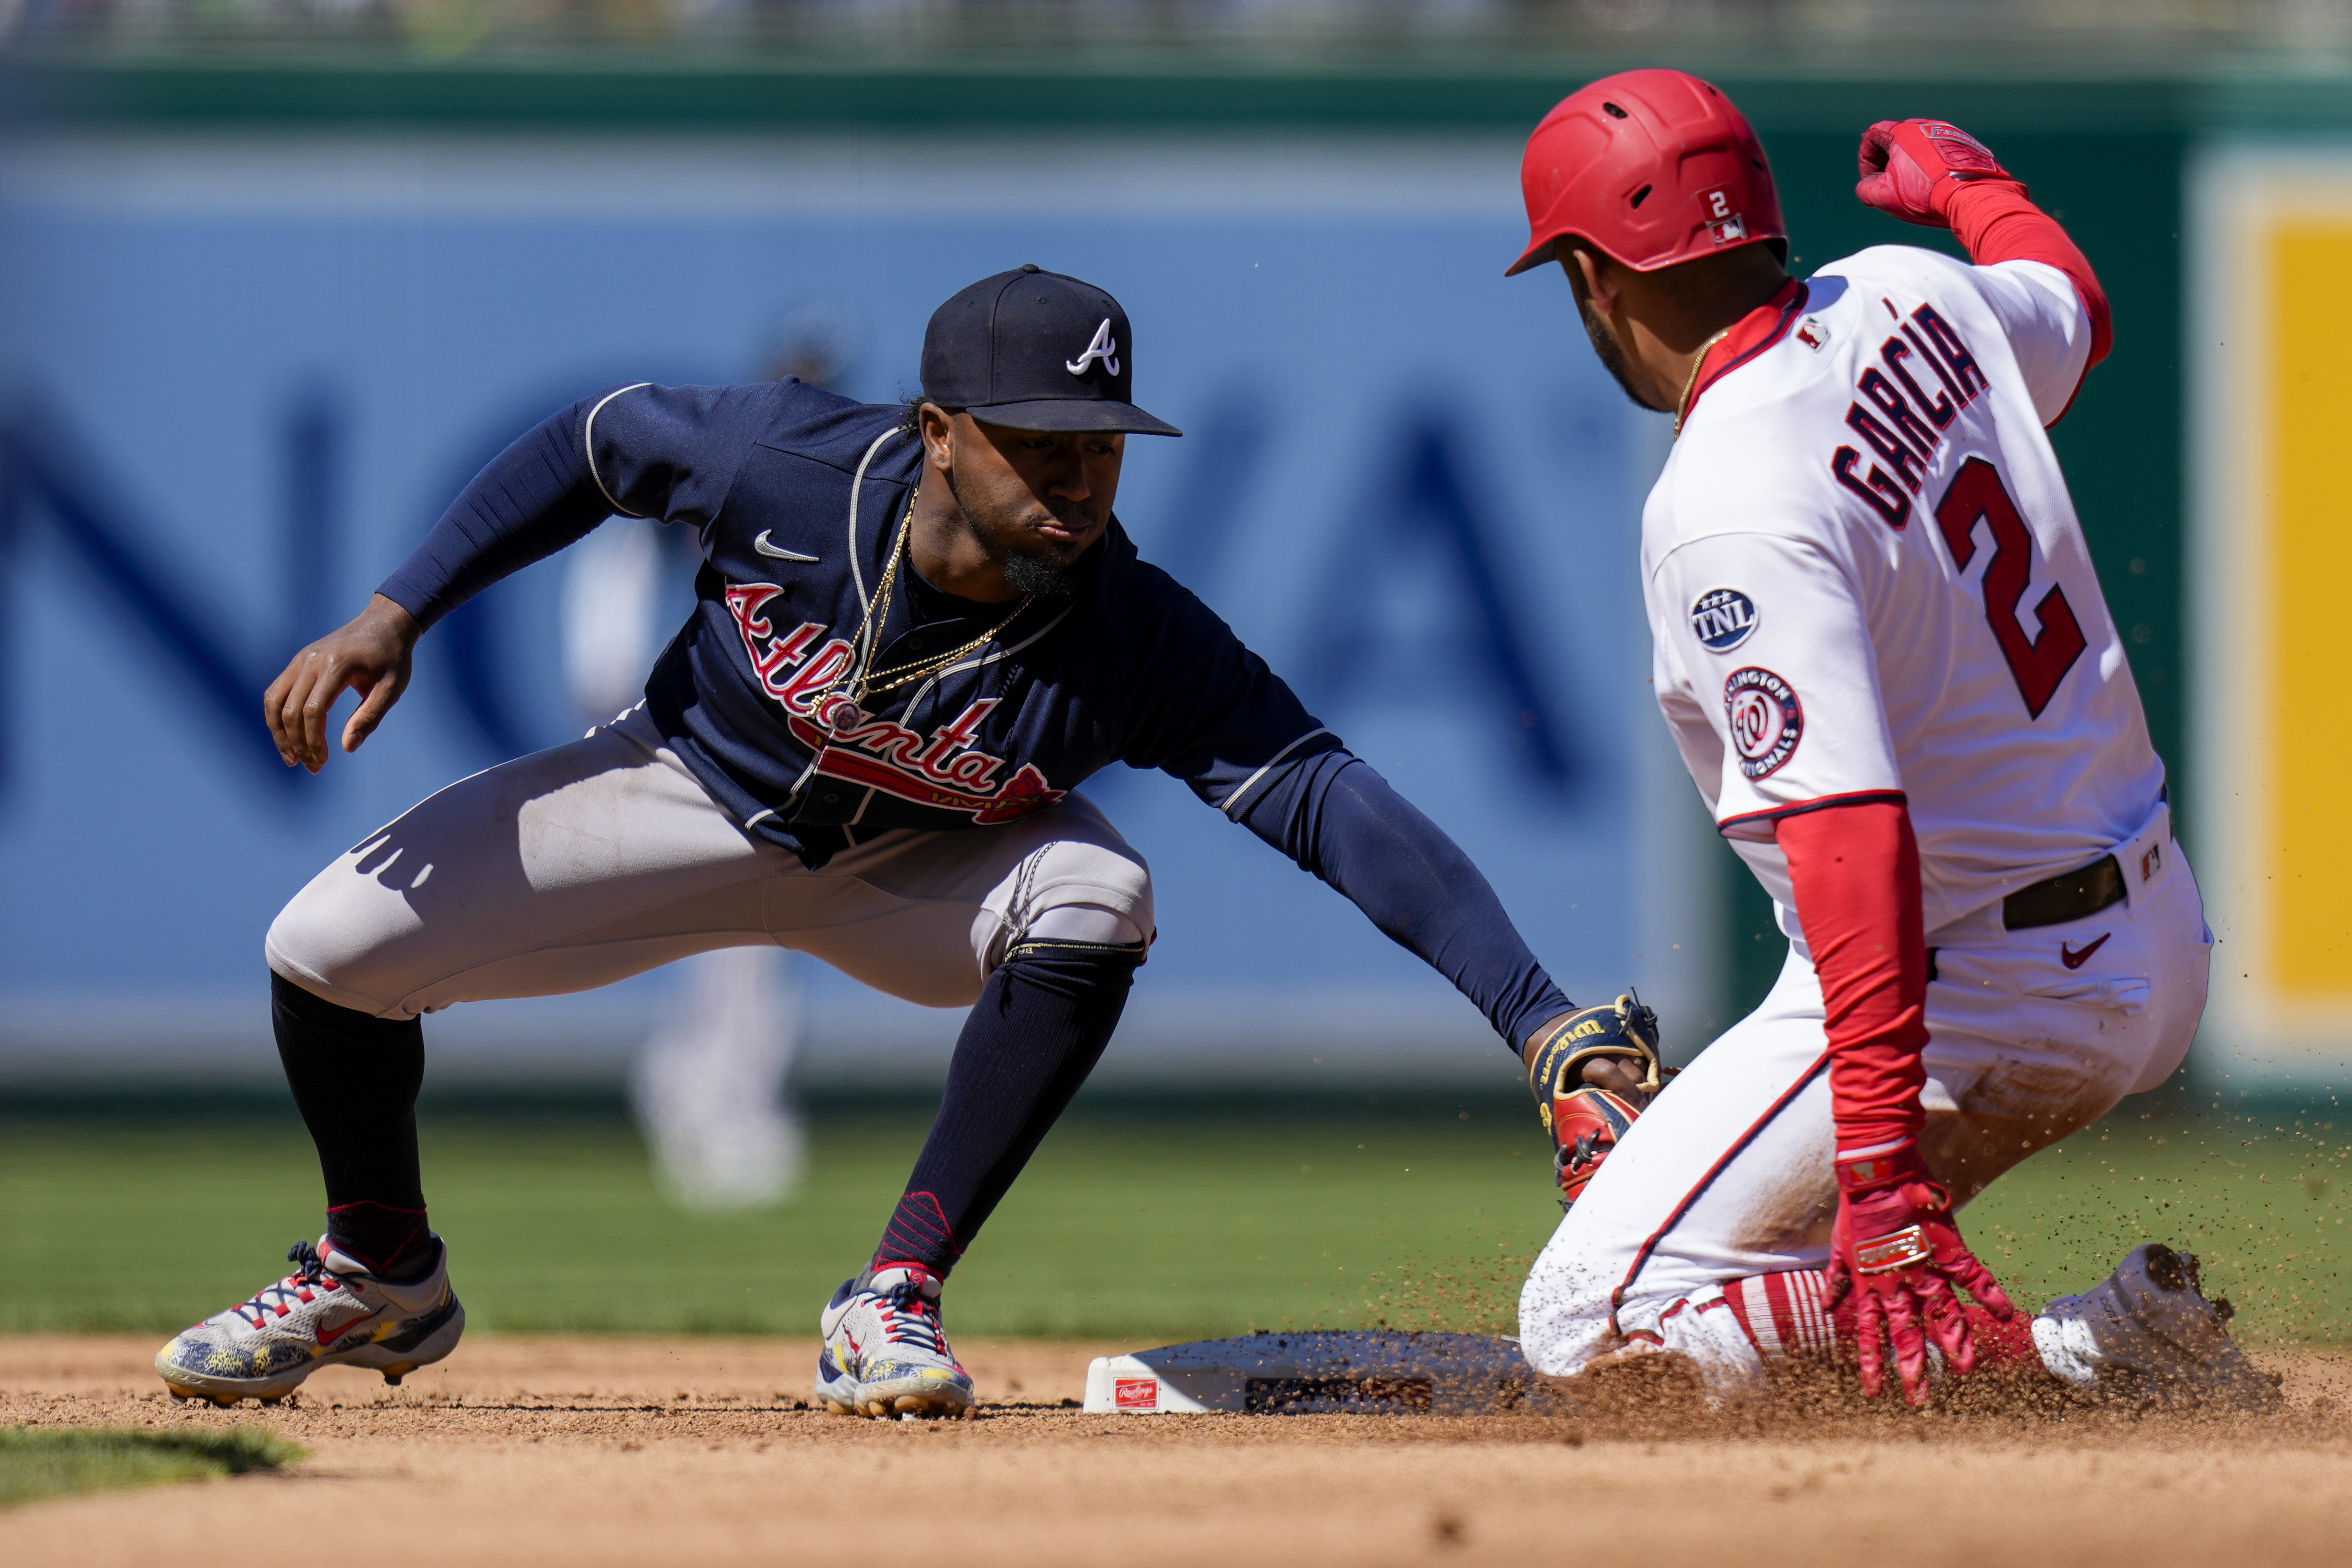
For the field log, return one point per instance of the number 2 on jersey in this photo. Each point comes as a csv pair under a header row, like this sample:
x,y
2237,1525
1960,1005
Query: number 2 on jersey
x,y
2038,663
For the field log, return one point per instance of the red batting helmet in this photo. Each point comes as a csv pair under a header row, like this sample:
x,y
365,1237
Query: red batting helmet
x,y
1653,168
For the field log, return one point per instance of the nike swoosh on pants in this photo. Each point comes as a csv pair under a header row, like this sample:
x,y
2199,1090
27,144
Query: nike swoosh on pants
x,y
2073,959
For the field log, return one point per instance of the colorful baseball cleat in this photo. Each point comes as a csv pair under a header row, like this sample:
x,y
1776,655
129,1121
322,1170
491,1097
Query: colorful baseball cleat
x,y
1585,1121
885,1352
2147,1332
331,1312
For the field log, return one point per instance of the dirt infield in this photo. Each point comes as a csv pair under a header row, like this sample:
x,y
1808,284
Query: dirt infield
x,y
685,1451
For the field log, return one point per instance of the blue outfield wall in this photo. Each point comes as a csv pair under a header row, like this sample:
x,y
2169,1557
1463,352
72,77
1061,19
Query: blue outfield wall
x,y
246,375
257,322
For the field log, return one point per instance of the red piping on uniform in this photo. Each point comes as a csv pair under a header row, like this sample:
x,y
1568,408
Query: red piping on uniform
x,y
1642,1258
1819,802
1755,332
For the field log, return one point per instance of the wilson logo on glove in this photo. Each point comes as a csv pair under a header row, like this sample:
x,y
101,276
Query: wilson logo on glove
x,y
1585,1121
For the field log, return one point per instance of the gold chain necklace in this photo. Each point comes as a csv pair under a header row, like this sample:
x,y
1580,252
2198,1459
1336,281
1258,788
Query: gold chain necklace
x,y
875,683
1682,404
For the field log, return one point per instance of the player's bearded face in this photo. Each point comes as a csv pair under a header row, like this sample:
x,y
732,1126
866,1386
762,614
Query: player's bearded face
x,y
1605,344
1034,501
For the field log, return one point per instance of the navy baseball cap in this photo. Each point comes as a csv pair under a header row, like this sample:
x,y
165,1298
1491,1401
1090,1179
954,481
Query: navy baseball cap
x,y
1032,350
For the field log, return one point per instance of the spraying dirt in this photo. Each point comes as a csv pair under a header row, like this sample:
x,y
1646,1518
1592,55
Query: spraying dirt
x,y
525,1450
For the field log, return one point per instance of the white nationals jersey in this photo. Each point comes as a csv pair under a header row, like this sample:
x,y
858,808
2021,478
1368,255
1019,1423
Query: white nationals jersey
x,y
1865,579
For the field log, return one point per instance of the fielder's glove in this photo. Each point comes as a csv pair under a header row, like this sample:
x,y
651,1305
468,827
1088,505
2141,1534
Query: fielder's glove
x,y
1895,1246
1584,1120
1910,168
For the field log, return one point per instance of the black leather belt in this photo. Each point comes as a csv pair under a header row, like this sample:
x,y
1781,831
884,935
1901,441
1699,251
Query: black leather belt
x,y
2069,896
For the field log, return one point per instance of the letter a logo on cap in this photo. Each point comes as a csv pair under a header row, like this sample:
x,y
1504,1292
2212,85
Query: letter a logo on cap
x,y
1104,347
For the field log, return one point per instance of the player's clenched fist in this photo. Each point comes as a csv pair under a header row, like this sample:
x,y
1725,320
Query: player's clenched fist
x,y
1897,1248
1911,167
371,656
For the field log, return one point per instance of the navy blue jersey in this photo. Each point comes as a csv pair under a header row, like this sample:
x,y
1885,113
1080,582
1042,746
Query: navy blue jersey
x,y
798,497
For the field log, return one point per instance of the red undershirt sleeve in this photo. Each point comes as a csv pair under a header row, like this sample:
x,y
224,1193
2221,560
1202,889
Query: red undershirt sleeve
x,y
1855,870
1995,222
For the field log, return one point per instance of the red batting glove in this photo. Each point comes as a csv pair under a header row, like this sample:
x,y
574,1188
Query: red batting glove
x,y
1895,1245
1910,168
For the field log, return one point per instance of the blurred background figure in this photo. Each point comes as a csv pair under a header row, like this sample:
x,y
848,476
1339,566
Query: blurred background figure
x,y
711,1088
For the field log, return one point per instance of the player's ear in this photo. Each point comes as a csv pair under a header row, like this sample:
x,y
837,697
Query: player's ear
x,y
937,427
1590,273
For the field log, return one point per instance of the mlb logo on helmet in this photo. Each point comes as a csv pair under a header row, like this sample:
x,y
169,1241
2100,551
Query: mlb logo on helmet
x,y
1724,226
1649,167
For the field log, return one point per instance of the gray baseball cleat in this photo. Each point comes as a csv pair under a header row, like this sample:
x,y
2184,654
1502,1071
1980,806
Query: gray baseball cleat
x,y
331,1312
2147,1332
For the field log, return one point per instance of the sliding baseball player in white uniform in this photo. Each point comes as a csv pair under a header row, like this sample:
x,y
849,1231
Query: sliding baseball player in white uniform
x,y
1882,652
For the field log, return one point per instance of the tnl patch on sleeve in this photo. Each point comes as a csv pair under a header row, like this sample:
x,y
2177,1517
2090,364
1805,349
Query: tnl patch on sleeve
x,y
1723,618
1767,720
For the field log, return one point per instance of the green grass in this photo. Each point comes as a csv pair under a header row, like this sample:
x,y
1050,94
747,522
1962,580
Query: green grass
x,y
52,1461
1141,1222
1208,1222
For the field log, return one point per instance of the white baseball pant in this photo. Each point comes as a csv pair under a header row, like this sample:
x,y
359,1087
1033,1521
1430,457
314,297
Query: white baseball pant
x,y
575,866
1727,1175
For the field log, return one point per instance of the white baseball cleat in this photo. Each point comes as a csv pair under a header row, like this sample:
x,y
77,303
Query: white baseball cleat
x,y
2147,1331
885,1352
331,1312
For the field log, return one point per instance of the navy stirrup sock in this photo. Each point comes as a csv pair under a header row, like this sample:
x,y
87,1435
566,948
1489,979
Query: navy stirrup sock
x,y
1039,1028
355,1080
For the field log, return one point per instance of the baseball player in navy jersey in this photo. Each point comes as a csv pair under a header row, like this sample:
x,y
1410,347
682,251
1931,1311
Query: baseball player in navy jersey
x,y
917,631
1882,652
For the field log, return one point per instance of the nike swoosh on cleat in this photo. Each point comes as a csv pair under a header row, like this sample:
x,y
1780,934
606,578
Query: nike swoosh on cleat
x,y
329,1336
779,551
2073,959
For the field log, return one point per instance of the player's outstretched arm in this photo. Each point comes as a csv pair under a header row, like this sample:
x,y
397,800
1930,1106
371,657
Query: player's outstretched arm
x,y
1933,174
1335,815
1856,871
371,655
